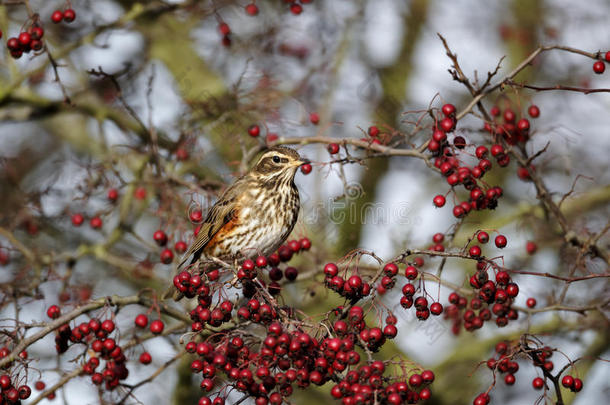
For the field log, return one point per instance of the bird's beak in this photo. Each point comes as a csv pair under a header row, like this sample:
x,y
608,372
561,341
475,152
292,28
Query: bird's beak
x,y
300,162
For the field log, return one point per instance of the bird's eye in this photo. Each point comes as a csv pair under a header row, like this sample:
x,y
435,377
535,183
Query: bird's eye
x,y
276,159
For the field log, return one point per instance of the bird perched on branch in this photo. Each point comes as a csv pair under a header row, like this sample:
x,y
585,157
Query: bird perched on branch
x,y
253,217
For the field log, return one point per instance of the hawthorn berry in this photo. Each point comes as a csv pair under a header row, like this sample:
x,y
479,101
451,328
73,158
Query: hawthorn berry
x,y
180,246
599,67
314,118
53,312
96,222
167,256
157,326
436,308
140,193
448,110
145,358
113,194
531,247
577,385
459,142
538,383
254,130
251,9
77,219
531,302
500,241
411,273
333,148
160,237
69,15
483,237
481,152
306,168
439,201
373,131
474,251
24,39
447,124
57,16
533,111
141,320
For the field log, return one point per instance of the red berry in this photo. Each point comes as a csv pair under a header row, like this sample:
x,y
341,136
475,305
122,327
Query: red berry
x,y
182,154
533,111
331,270
438,238
448,109
447,124
607,56
107,326
251,9
24,392
333,148
296,9
474,251
531,247
411,273
254,130
501,241
496,150
483,237
140,193
96,222
439,201
599,67
180,246
113,194
36,32
459,142
141,321
145,358
567,381
509,115
537,383
373,131
577,385
314,118
224,28
481,152
24,39
458,211
69,15
523,125
57,16
167,256
436,308
13,44
53,312
306,168
531,302
77,219
160,237
156,326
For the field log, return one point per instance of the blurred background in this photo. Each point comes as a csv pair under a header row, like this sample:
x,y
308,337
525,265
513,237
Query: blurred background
x,y
75,125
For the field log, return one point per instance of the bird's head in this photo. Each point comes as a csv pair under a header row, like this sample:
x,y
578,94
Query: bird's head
x,y
278,163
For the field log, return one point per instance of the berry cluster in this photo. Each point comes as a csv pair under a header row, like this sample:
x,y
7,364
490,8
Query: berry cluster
x,y
540,357
12,393
353,288
68,15
493,298
27,41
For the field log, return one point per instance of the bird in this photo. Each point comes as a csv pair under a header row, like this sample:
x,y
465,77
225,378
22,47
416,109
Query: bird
x,y
254,215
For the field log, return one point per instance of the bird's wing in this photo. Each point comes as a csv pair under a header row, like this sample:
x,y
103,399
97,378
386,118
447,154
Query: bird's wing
x,y
219,215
